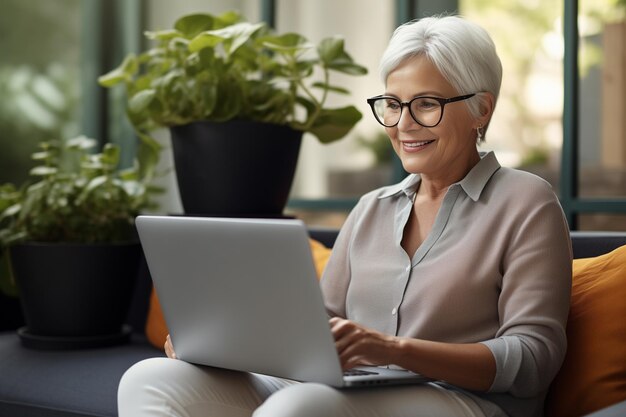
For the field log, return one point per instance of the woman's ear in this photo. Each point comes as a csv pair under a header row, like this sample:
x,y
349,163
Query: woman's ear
x,y
486,106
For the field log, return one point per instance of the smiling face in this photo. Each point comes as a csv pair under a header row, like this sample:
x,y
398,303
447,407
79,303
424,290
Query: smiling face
x,y
445,152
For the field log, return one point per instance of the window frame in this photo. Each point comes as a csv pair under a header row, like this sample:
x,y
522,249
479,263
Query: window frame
x,y
573,204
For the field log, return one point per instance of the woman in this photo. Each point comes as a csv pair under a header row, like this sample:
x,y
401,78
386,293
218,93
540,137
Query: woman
x,y
461,272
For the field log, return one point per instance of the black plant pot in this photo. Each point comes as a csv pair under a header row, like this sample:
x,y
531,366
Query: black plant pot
x,y
75,295
10,313
238,168
10,310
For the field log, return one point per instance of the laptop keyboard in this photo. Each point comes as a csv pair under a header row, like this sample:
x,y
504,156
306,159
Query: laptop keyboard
x,y
358,372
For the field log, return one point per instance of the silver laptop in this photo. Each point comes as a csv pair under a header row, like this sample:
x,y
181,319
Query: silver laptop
x,y
243,294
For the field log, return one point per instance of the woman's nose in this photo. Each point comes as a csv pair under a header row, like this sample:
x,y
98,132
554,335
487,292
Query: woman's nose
x,y
406,121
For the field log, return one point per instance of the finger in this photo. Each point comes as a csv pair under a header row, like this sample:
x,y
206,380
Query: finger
x,y
342,344
341,328
169,348
334,320
351,361
334,324
346,334
363,347
350,354
355,343
348,351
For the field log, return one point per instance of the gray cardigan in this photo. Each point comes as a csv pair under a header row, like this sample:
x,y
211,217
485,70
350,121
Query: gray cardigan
x,y
495,269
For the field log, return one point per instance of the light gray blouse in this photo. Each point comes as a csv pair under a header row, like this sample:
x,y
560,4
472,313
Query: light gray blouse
x,y
496,268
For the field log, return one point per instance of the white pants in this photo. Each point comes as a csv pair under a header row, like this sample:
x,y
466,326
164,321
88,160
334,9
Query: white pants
x,y
169,387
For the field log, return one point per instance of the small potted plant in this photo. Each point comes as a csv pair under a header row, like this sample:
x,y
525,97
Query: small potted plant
x,y
237,98
71,245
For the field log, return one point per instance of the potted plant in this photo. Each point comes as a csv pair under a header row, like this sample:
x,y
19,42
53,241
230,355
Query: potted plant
x,y
237,98
10,311
71,245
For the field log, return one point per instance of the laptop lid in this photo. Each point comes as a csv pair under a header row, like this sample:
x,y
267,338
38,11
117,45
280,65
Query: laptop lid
x,y
243,294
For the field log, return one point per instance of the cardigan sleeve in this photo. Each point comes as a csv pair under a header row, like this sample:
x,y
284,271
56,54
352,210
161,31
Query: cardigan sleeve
x,y
533,306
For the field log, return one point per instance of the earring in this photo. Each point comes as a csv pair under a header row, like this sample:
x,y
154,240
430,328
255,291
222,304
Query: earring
x,y
479,133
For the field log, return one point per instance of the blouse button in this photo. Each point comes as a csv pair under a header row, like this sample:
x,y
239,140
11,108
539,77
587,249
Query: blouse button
x,y
394,311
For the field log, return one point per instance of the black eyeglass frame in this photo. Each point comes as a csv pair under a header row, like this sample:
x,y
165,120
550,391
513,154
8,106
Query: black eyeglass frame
x,y
442,103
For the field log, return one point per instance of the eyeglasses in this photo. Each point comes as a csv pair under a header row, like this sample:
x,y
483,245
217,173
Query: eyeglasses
x,y
425,110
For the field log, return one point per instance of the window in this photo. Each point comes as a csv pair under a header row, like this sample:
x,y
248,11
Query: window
x,y
526,131
602,105
592,190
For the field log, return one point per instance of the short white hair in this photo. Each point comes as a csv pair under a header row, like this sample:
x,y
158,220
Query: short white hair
x,y
462,51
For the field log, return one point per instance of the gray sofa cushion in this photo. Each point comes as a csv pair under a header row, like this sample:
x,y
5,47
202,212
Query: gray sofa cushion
x,y
589,244
38,383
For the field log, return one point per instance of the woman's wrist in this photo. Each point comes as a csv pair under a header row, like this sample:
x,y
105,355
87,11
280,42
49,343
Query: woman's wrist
x,y
402,351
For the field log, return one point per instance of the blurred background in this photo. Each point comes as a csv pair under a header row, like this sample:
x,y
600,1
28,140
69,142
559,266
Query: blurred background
x,y
53,51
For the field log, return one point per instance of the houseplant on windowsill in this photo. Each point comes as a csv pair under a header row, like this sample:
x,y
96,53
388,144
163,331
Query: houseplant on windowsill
x,y
241,95
71,245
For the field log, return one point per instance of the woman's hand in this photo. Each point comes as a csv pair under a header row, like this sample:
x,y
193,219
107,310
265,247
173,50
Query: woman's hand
x,y
470,365
169,348
358,345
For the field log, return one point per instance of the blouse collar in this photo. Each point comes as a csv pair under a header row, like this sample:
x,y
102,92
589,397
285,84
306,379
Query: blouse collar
x,y
473,183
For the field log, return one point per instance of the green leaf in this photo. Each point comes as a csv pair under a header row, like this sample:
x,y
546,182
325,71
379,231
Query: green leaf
x,y
162,35
230,99
288,43
233,37
348,68
226,19
95,183
11,211
111,154
193,24
334,124
81,143
344,63
141,101
123,73
92,163
330,49
43,171
208,95
204,40
41,156
9,196
229,108
207,60
178,43
133,188
306,66
332,88
129,174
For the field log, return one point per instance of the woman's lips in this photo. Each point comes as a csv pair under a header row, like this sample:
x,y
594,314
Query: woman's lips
x,y
415,146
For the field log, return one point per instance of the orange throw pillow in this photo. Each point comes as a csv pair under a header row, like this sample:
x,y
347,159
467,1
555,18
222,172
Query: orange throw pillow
x,y
593,375
156,330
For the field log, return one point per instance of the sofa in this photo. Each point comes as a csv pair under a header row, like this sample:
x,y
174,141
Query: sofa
x,y
83,382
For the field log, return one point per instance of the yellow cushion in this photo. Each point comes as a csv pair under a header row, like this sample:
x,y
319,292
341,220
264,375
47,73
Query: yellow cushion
x,y
156,330
593,375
